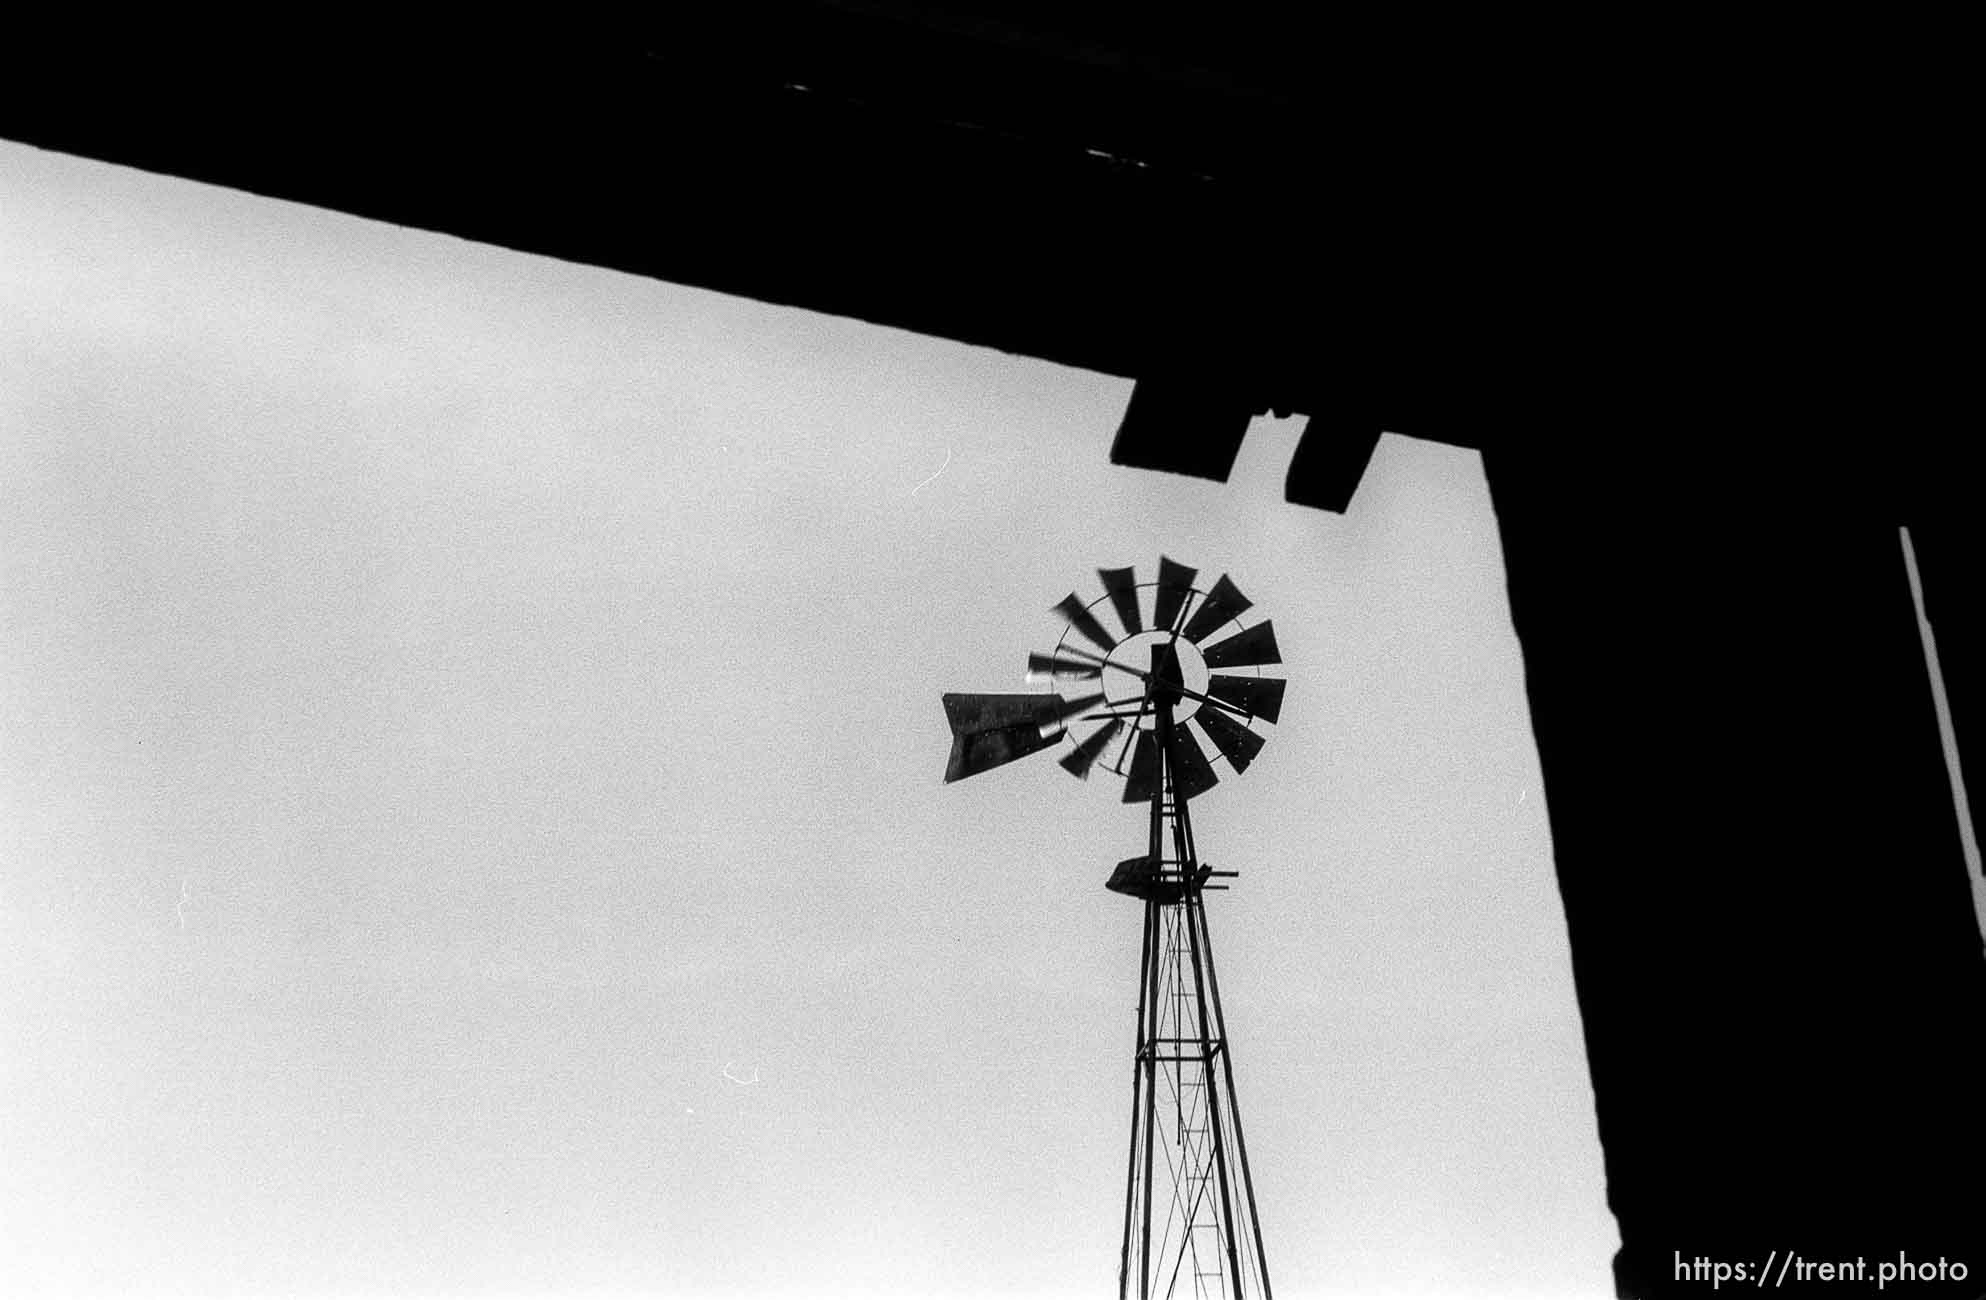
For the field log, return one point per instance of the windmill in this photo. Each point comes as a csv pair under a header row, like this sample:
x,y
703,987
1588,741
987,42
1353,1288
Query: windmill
x,y
1195,668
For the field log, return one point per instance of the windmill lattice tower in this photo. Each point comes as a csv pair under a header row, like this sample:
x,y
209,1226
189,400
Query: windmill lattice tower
x,y
1190,1223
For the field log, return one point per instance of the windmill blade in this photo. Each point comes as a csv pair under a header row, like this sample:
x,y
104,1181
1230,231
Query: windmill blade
x,y
1065,709
1071,608
1255,645
1222,603
1041,665
1260,696
1122,584
1175,584
1192,774
1238,745
1083,757
1143,778
989,730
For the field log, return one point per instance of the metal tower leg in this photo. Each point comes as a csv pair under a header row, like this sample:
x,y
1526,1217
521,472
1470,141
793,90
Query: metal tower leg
x,y
1207,1049
1234,1104
1138,1092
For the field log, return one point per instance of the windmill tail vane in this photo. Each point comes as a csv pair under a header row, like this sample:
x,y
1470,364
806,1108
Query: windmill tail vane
x,y
988,730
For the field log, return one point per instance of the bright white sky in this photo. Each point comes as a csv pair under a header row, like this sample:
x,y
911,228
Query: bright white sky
x,y
461,713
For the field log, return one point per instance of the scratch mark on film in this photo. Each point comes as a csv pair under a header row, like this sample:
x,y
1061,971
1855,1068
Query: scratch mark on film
x,y
941,469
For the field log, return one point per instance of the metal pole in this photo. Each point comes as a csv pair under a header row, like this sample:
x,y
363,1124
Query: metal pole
x,y
1182,833
1150,1050
1161,777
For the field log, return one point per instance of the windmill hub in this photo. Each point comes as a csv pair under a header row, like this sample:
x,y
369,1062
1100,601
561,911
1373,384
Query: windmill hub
x,y
1145,652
